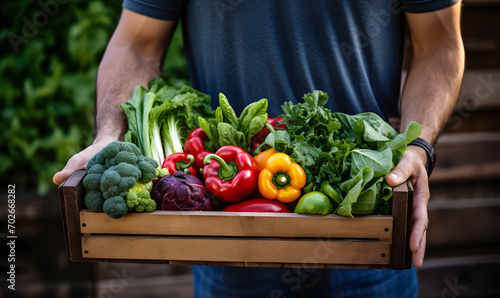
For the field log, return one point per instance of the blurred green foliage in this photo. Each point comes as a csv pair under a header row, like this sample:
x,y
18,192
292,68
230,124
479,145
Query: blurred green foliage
x,y
49,56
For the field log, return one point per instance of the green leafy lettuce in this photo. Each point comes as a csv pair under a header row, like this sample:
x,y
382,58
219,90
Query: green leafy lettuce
x,y
353,153
159,120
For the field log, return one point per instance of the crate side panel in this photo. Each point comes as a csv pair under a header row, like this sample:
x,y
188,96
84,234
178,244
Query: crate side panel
x,y
73,193
215,249
247,224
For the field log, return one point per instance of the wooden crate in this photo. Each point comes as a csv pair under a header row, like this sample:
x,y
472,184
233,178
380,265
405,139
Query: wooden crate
x,y
237,238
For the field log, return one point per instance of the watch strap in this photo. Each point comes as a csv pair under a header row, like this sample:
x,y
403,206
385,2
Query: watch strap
x,y
431,154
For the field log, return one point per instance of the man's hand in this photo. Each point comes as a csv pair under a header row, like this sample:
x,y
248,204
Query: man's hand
x,y
79,161
412,166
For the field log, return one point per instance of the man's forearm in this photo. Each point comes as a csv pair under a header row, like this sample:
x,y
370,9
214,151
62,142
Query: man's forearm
x,y
121,70
432,88
436,70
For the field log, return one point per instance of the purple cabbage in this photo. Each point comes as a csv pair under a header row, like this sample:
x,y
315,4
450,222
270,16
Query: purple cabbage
x,y
181,191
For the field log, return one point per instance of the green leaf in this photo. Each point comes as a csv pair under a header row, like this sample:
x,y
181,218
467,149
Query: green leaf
x,y
351,190
399,143
379,161
256,125
219,116
228,135
372,198
363,130
206,127
316,98
251,111
228,111
278,140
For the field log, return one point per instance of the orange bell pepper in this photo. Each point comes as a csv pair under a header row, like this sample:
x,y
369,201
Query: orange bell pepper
x,y
281,178
262,157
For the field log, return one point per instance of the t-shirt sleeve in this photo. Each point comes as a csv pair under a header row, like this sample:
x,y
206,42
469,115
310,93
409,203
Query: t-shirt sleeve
x,y
158,9
419,6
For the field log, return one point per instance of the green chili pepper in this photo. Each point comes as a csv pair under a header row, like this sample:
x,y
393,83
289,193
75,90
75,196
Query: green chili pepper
x,y
314,202
333,193
309,187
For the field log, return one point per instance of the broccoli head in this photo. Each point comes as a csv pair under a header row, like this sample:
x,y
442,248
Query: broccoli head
x,y
117,180
148,169
94,200
115,207
118,171
92,181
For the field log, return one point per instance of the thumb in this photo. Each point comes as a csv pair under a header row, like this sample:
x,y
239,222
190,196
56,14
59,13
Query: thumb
x,y
77,162
411,164
400,173
74,163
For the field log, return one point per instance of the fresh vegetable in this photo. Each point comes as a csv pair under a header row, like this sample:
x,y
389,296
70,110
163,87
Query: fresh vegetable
x,y
118,180
260,137
180,162
281,179
261,158
228,129
181,191
139,198
159,120
195,145
314,202
333,193
336,147
230,174
258,205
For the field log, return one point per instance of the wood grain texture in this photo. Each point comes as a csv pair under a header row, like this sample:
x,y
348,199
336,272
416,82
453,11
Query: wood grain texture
x,y
237,249
399,231
217,223
73,193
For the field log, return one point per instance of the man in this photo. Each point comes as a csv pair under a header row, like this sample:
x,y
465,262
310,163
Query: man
x,y
280,50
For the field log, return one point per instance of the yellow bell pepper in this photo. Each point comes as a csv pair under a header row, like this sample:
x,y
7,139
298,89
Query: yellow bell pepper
x,y
281,178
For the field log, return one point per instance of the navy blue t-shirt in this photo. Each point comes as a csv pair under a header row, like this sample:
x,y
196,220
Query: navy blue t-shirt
x,y
281,50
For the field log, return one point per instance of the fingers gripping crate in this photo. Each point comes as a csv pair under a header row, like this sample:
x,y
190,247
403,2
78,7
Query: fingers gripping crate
x,y
237,238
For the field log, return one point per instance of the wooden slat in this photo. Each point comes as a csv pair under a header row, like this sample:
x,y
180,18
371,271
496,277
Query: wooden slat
x,y
477,93
73,193
466,276
191,263
214,249
261,264
448,229
467,156
399,232
217,223
479,90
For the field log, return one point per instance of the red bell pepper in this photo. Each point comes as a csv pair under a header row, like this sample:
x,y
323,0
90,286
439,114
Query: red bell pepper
x,y
180,162
258,205
262,134
230,174
195,145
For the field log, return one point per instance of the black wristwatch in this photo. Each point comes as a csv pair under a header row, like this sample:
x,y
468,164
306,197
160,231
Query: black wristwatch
x,y
431,154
